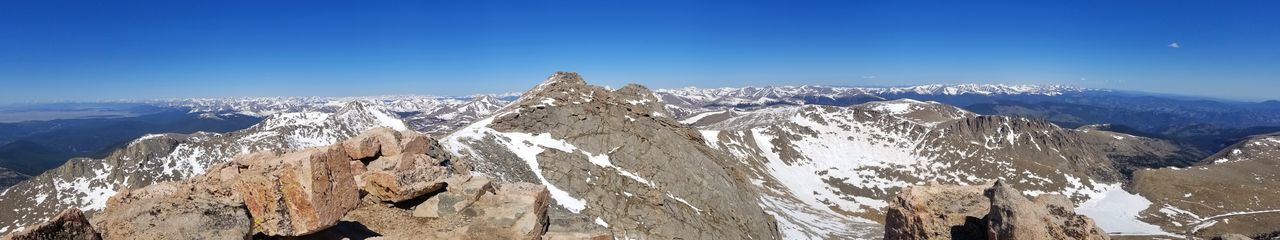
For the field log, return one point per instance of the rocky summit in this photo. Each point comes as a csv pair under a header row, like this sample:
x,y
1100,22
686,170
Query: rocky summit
x,y
616,164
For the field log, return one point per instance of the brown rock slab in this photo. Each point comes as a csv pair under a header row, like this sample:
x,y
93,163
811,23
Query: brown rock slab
x,y
397,186
299,193
517,211
463,191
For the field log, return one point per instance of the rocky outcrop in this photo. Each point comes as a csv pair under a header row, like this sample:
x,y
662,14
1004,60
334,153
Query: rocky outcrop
x,y
298,193
313,194
937,212
206,207
1049,216
997,213
86,184
70,225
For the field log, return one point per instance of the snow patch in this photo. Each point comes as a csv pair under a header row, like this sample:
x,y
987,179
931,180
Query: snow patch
x,y
1116,211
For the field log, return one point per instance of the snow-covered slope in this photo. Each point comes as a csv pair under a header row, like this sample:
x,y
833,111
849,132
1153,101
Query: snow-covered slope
x,y
87,183
826,169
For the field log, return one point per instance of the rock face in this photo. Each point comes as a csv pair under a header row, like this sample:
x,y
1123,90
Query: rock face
x,y
998,212
1049,216
298,193
70,225
936,212
205,207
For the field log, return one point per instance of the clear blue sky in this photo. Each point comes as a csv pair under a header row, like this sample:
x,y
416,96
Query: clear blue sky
x,y
89,50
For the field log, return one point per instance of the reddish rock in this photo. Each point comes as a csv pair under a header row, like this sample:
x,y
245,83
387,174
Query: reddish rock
x,y
299,193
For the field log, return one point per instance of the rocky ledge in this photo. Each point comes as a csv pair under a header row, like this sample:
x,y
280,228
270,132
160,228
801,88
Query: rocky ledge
x,y
398,185
977,212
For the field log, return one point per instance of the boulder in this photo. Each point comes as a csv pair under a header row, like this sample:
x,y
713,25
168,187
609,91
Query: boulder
x,y
1013,217
495,211
201,208
299,193
397,186
997,213
937,212
373,143
70,224
515,211
462,192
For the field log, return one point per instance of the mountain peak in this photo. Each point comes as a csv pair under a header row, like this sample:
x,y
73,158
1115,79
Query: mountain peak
x,y
569,78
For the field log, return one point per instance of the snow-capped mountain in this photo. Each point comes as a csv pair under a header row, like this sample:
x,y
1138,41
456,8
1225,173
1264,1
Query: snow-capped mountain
x,y
87,183
427,114
820,171
804,162
444,120
689,100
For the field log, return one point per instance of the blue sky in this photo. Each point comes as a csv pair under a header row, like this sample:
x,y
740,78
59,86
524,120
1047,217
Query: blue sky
x,y
92,50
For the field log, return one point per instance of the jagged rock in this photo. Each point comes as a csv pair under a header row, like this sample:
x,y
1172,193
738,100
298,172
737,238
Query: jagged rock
x,y
1013,217
202,208
70,224
300,192
997,213
937,212
462,192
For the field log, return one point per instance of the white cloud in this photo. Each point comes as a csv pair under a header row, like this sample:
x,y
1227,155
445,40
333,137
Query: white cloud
x,y
1174,45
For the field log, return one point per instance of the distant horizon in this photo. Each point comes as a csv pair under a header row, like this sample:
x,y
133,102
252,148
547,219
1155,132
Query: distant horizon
x,y
149,49
517,93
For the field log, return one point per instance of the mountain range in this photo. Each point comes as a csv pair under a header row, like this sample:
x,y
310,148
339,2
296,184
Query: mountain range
x,y
795,162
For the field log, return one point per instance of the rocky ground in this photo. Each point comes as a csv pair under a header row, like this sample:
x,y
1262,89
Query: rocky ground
x,y
1234,191
395,185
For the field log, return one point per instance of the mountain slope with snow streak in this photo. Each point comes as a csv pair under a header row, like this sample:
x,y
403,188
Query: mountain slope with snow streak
x,y
843,163
1234,191
614,162
87,183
